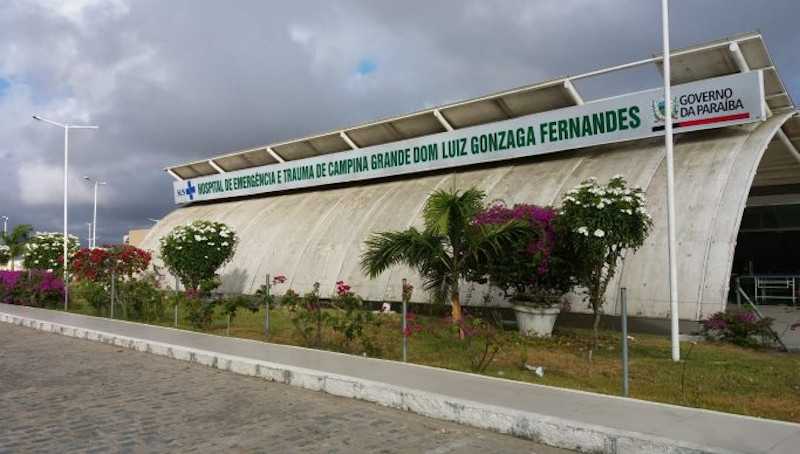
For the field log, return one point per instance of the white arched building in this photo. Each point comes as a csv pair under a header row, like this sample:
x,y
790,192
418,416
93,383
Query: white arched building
x,y
310,225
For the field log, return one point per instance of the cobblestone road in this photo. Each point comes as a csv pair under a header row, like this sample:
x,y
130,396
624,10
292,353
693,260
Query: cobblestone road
x,y
59,394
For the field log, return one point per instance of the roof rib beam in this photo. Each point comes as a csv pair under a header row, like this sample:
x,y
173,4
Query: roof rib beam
x,y
174,175
275,155
503,105
741,63
348,140
442,120
391,127
216,166
573,92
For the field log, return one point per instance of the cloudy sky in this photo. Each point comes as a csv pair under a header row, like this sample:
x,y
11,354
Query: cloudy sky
x,y
172,81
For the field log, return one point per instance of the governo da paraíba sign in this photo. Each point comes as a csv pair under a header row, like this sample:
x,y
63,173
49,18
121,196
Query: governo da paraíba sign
x,y
710,103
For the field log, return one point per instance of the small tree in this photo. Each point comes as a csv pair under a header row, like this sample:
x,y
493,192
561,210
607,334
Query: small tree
x,y
450,247
102,268
45,251
15,241
195,252
121,261
603,222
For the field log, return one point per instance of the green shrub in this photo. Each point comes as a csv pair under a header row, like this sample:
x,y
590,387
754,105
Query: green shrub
x,y
306,314
199,311
95,295
141,299
232,304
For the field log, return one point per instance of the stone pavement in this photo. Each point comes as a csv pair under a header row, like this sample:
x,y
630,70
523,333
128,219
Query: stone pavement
x,y
554,416
59,394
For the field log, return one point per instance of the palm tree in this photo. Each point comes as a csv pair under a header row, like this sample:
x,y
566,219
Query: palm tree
x,y
448,249
16,240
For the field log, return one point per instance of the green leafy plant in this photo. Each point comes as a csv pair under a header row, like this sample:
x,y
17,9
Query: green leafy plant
x,y
94,294
45,251
15,242
306,314
196,251
352,319
199,309
483,339
449,248
142,299
231,305
602,222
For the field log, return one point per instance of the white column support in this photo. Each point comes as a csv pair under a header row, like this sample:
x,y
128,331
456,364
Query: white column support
x,y
174,175
573,92
442,120
216,166
792,149
348,140
275,155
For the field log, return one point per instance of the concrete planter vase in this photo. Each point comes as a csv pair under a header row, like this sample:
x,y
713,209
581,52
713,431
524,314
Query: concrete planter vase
x,y
536,321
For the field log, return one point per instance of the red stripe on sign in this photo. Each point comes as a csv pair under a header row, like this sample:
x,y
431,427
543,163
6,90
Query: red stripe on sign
x,y
705,121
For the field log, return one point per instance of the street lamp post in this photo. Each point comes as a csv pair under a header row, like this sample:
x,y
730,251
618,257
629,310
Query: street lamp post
x,y
93,243
5,224
671,241
66,127
89,235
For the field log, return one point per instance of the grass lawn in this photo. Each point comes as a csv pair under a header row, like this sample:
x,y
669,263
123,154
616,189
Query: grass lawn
x,y
714,376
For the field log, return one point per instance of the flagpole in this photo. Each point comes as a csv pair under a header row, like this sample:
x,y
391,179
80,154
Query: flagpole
x,y
671,243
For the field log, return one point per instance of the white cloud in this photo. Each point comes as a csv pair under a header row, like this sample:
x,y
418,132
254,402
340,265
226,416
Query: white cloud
x,y
41,184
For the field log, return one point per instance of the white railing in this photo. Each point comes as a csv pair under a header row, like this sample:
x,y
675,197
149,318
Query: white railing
x,y
773,288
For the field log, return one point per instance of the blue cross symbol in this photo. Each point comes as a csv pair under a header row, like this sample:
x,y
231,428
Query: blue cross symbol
x,y
190,190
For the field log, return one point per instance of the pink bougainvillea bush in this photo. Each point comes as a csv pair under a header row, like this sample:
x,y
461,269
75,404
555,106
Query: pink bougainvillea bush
x,y
531,271
31,288
745,329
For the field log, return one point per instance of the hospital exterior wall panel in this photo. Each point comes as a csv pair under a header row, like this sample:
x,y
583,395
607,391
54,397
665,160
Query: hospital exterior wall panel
x,y
318,235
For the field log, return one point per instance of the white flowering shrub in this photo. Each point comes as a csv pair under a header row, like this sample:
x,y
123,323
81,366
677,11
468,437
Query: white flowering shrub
x,y
194,252
602,221
45,251
5,254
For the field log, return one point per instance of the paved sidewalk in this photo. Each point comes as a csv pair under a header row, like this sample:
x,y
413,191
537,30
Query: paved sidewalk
x,y
559,417
62,395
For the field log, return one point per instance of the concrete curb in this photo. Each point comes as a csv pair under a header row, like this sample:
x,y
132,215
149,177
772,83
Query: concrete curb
x,y
543,429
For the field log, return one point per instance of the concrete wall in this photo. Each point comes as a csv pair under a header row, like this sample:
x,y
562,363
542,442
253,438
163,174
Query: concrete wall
x,y
318,235
136,237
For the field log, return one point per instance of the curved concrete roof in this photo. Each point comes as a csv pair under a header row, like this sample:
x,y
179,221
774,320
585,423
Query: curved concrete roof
x,y
318,235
